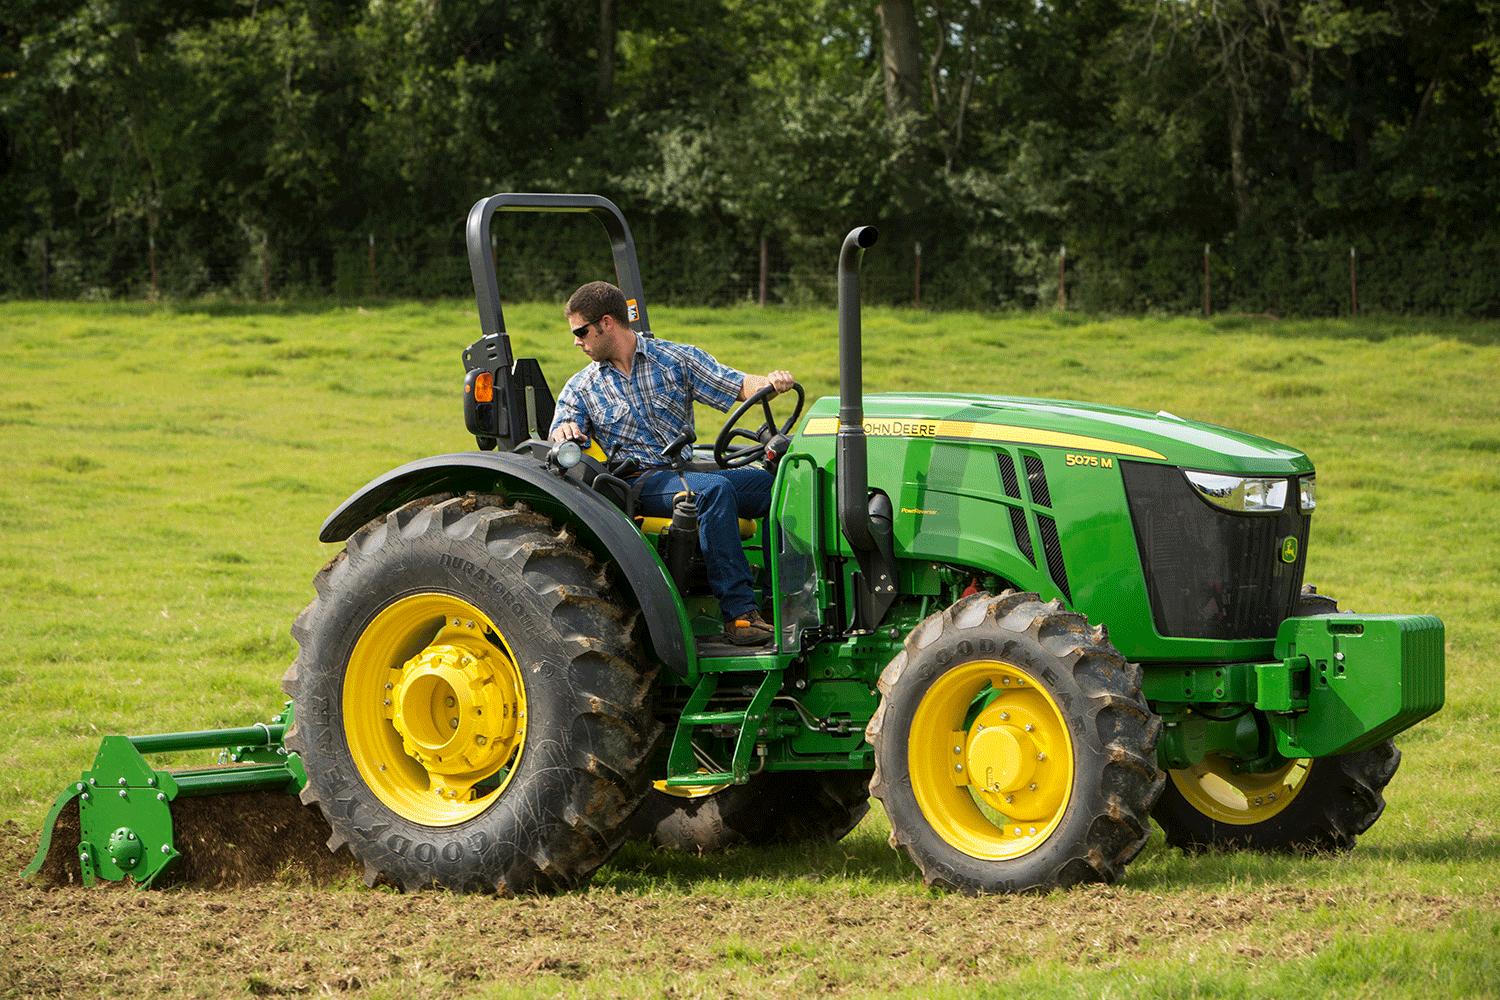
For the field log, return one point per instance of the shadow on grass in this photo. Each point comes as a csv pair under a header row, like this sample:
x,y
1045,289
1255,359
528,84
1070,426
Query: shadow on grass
x,y
860,860
1160,868
865,862
1445,850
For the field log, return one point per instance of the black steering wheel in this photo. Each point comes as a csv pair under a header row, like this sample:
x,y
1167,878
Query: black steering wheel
x,y
739,456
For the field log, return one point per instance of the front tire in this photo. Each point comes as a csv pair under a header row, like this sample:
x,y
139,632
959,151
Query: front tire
x,y
1312,804
471,705
1318,804
1013,750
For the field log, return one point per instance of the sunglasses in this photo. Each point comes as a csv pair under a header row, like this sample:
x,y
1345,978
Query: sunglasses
x,y
581,332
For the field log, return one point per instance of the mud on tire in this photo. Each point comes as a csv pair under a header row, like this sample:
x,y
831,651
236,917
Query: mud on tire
x,y
471,704
1013,750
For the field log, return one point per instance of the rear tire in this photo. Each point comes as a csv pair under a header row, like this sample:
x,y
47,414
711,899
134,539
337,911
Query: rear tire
x,y
782,807
1013,750
1312,804
471,705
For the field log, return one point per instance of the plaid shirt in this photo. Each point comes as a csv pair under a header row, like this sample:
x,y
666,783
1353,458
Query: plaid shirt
x,y
638,415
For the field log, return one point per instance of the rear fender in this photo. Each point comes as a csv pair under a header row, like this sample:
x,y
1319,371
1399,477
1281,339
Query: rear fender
x,y
601,526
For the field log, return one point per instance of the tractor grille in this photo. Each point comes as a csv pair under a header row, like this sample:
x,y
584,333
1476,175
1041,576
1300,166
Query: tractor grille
x,y
1210,573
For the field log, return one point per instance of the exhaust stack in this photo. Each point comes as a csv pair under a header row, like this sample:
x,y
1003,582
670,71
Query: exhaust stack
x,y
864,516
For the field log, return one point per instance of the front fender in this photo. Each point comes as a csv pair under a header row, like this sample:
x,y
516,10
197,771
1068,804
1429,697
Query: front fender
x,y
602,527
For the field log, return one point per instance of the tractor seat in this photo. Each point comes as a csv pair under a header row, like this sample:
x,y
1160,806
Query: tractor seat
x,y
659,526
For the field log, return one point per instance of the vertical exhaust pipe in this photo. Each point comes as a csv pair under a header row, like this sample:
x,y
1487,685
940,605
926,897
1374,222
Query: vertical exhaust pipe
x,y
866,520
853,469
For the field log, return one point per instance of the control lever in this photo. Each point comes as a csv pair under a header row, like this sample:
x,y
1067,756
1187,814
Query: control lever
x,y
672,453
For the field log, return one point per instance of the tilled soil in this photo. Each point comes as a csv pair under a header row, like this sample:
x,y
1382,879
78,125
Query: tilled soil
x,y
250,923
227,842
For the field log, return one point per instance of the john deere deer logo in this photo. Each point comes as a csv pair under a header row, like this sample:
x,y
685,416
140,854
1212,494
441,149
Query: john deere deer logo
x,y
1289,549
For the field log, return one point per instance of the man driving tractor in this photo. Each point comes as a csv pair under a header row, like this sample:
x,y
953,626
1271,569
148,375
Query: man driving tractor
x,y
635,400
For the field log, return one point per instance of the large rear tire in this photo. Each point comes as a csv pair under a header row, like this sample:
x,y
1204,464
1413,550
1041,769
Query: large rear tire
x,y
472,707
1314,804
1013,750
782,807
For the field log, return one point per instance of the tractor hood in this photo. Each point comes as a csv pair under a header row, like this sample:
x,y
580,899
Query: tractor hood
x,y
1078,427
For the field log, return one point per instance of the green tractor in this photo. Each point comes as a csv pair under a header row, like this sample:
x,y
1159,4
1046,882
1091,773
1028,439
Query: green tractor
x,y
505,673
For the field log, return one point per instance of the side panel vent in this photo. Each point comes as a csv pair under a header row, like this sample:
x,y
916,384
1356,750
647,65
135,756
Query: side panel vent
x,y
1053,550
1036,478
1023,535
1008,475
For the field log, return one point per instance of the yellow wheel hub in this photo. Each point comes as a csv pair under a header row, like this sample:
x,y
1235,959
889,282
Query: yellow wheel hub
x,y
990,759
1213,788
434,709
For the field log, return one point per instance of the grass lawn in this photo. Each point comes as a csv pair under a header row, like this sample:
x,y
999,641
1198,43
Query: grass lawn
x,y
165,471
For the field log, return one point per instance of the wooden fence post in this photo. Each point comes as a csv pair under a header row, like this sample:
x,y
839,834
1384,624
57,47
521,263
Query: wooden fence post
x,y
1353,287
917,277
1206,311
1062,278
765,269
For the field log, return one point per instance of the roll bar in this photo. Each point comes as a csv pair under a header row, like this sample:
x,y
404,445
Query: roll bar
x,y
482,261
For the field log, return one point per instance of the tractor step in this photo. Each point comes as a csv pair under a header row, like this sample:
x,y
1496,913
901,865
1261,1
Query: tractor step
x,y
686,766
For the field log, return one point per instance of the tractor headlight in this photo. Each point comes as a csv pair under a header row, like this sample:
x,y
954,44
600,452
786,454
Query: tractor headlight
x,y
1241,494
564,455
1307,497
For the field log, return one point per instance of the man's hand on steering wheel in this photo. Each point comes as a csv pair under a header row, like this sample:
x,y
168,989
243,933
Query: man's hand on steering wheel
x,y
781,380
742,455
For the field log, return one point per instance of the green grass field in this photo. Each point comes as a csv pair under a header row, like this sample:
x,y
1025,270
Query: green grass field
x,y
166,471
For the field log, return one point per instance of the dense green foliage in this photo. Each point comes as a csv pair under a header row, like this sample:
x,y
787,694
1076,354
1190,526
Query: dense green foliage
x,y
290,147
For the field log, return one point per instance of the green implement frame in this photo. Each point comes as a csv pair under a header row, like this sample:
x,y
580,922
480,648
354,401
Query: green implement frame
x,y
125,805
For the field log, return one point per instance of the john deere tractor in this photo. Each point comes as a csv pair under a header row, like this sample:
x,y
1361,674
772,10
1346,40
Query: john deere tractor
x,y
1028,627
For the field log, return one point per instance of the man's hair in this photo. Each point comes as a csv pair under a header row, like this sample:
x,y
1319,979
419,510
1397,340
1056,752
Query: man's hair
x,y
596,300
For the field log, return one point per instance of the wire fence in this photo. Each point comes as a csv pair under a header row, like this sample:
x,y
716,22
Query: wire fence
x,y
1320,278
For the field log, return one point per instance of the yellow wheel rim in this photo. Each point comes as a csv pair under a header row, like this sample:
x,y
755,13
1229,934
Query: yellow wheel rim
x,y
990,759
688,791
1214,789
434,709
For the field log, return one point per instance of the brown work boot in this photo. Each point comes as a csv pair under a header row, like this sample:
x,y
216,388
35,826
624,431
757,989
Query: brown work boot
x,y
748,629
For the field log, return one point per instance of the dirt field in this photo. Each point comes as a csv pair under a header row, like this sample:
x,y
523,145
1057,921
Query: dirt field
x,y
254,926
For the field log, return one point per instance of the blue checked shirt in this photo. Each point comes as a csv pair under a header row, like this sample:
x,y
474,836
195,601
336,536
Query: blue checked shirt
x,y
638,415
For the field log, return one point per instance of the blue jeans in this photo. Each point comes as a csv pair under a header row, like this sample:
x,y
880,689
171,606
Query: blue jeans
x,y
724,496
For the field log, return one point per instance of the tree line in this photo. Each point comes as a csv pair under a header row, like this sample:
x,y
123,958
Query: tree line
x,y
1106,154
